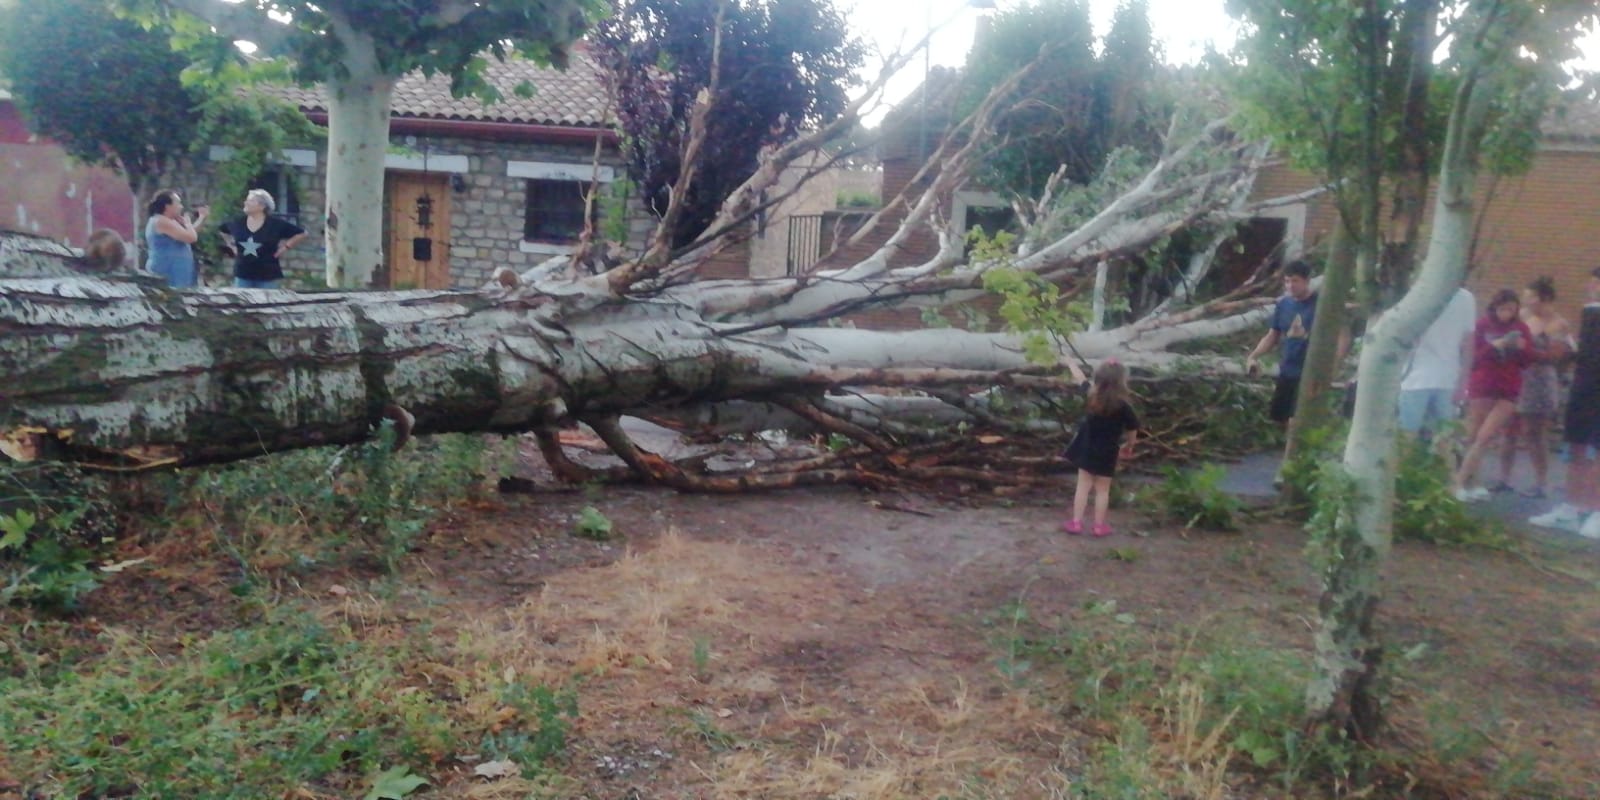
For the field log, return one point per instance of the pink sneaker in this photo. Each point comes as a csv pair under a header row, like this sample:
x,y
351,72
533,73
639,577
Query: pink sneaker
x,y
1102,530
1073,526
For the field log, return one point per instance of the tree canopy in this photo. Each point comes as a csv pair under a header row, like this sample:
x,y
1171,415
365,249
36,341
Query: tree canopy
x,y
1078,105
779,67
106,89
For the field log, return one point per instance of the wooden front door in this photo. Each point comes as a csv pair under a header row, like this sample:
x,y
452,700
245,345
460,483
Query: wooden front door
x,y
419,230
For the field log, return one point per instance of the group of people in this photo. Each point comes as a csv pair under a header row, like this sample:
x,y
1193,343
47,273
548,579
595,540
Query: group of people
x,y
256,241
1506,366
1503,366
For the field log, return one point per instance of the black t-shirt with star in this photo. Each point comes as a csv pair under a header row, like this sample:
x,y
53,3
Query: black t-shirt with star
x,y
258,249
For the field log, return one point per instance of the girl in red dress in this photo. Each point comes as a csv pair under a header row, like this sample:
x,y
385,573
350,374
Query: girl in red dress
x,y
1500,349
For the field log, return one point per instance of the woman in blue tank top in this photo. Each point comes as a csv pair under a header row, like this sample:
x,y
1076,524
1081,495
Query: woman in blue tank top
x,y
168,238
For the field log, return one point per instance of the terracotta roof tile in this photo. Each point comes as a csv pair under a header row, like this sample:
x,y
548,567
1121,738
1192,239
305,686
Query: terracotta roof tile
x,y
574,97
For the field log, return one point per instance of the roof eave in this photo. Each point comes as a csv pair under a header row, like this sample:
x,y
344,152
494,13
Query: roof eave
x,y
489,129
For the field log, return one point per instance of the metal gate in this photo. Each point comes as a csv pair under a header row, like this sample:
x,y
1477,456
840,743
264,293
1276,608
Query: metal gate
x,y
805,243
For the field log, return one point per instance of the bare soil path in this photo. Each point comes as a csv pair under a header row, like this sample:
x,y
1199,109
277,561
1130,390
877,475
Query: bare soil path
x,y
823,643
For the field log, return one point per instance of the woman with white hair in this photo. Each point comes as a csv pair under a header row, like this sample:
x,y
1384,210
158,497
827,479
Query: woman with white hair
x,y
257,240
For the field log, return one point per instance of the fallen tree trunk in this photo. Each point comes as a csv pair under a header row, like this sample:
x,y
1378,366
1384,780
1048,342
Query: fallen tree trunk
x,y
122,374
118,374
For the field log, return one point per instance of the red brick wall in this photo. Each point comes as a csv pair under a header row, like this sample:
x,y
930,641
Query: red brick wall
x,y
45,192
1546,222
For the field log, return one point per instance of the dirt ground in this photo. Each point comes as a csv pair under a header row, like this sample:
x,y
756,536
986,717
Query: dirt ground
x,y
834,643
845,644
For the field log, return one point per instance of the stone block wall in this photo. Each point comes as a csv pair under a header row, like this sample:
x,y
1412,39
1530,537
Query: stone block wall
x,y
486,211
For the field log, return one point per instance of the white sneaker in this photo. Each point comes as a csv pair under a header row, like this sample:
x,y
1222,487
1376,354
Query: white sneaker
x,y
1474,495
1565,517
1591,527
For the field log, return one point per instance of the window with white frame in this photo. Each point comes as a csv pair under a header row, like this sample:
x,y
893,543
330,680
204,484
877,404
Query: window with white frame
x,y
556,201
555,211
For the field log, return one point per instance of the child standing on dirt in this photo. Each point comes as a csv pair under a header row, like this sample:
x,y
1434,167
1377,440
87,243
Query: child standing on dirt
x,y
1098,441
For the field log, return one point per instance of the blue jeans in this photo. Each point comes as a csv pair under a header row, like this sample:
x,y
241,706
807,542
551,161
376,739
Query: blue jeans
x,y
246,283
1426,409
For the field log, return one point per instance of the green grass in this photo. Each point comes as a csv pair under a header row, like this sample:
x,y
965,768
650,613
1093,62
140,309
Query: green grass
x,y
261,711
1178,713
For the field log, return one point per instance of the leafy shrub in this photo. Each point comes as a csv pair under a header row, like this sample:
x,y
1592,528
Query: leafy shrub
x,y
1425,508
1194,499
54,521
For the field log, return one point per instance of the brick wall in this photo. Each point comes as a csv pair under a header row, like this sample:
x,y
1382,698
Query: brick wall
x,y
1546,222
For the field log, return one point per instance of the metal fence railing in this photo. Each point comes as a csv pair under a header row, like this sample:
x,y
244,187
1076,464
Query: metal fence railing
x,y
805,243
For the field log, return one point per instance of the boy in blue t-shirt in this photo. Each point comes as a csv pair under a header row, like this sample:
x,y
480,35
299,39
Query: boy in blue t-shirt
x,y
1292,318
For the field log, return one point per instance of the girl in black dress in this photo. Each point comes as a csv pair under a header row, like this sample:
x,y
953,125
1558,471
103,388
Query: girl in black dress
x,y
1097,442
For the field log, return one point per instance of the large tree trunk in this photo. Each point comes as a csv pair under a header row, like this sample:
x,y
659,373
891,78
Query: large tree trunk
x,y
119,374
116,374
358,139
1343,692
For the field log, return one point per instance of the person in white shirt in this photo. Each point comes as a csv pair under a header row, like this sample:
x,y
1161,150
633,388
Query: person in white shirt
x,y
1435,380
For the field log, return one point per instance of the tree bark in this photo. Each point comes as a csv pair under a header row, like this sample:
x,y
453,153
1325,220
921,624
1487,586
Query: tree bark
x,y
124,375
1315,409
1348,648
358,139
120,375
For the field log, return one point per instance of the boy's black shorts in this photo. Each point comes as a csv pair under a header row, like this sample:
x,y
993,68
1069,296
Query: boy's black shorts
x,y
1284,394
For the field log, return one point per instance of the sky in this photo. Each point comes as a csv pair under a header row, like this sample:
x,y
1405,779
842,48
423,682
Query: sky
x,y
1184,27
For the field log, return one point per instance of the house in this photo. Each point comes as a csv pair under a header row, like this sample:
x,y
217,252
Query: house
x,y
469,187
44,191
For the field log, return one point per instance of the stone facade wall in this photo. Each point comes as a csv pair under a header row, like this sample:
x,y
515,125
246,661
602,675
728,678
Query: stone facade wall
x,y
486,212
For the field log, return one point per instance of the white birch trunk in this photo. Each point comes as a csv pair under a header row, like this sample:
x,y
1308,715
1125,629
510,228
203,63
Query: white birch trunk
x,y
123,374
358,139
1348,649
1097,312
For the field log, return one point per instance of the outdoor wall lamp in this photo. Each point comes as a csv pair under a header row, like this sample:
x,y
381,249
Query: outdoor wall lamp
x,y
425,211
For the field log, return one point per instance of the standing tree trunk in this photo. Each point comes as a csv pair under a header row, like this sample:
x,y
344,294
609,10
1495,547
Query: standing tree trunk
x,y
358,138
1358,532
1316,405
142,186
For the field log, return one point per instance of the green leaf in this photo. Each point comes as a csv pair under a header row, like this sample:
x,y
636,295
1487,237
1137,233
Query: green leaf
x,y
394,784
15,528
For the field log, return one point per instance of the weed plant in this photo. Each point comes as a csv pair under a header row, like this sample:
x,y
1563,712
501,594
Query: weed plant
x,y
1179,714
299,509
1195,498
290,707
1424,510
54,521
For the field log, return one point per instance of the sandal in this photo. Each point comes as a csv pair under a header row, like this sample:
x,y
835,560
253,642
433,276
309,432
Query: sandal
x,y
1073,526
1102,530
